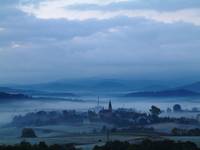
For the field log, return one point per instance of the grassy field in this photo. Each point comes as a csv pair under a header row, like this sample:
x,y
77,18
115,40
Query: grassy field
x,y
86,141
167,127
82,135
79,134
194,139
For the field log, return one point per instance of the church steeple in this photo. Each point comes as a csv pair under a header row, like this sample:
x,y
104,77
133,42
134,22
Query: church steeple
x,y
110,106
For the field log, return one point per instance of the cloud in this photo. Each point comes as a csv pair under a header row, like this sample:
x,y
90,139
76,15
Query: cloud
x,y
60,10
2,29
49,40
61,3
16,45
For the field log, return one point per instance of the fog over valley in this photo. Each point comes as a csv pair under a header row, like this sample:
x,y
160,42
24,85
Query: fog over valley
x,y
99,74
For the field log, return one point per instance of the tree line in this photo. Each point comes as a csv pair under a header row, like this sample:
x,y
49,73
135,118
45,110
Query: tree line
x,y
148,145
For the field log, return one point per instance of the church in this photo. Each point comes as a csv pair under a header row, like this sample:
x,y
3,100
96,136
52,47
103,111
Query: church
x,y
106,113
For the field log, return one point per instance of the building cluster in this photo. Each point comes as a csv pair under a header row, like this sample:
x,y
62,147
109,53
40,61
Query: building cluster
x,y
118,117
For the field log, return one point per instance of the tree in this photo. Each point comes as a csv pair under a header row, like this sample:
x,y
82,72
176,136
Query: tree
x,y
155,111
28,133
177,108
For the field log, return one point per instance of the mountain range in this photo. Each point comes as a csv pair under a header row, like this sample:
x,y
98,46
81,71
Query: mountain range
x,y
192,87
94,85
164,93
5,96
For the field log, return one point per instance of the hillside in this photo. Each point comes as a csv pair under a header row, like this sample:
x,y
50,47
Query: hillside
x,y
98,85
192,87
4,96
166,93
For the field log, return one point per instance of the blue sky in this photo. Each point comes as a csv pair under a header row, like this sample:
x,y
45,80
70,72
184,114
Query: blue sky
x,y
44,40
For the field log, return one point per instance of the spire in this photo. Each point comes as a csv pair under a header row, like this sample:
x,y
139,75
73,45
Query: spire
x,y
98,101
110,106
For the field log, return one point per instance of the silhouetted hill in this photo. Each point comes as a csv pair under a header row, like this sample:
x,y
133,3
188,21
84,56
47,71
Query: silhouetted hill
x,y
18,90
108,84
55,94
192,87
4,95
7,89
99,85
166,93
27,91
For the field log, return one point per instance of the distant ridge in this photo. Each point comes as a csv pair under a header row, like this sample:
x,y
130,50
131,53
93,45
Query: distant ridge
x,y
4,96
97,85
192,87
144,88
165,93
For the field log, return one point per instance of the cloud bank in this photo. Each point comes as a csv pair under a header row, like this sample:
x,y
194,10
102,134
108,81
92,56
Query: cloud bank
x,y
51,39
59,10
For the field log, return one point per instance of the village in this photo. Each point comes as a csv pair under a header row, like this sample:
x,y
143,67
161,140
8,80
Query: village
x,y
120,119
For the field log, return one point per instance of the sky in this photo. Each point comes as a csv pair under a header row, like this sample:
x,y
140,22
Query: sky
x,y
47,40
